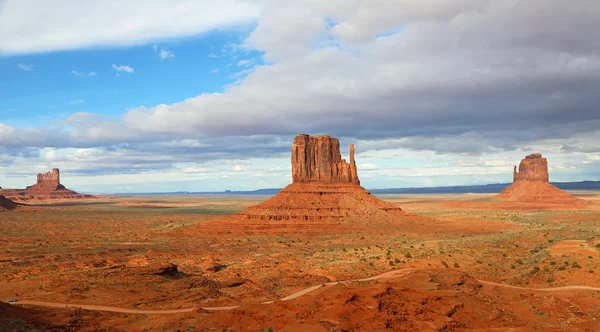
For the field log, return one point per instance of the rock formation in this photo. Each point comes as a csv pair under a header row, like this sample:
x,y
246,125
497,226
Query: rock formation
x,y
6,204
48,187
531,184
318,159
48,182
325,196
532,168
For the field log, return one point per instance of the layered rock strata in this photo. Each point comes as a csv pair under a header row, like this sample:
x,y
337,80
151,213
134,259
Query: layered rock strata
x,y
317,160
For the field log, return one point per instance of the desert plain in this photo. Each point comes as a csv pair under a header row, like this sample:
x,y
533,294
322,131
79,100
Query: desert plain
x,y
479,265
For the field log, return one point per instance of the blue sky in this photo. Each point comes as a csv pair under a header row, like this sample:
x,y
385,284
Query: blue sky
x,y
59,84
143,96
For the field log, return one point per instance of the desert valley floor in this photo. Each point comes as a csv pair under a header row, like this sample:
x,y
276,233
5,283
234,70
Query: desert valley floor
x,y
472,264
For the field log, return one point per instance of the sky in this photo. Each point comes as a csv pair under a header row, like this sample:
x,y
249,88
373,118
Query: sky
x,y
155,96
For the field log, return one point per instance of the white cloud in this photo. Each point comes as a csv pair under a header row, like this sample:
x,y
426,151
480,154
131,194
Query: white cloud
x,y
163,53
214,71
25,67
237,168
72,25
401,79
367,166
82,74
245,63
50,155
120,69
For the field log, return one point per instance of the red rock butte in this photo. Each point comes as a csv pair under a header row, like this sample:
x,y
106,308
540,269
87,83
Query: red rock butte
x,y
47,187
325,196
531,185
48,182
532,168
318,159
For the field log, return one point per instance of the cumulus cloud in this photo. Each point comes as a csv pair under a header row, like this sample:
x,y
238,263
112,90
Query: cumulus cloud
x,y
461,78
125,69
25,67
72,25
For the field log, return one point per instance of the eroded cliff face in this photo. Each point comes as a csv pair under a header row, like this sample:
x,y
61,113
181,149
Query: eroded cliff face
x,y
48,182
318,159
532,168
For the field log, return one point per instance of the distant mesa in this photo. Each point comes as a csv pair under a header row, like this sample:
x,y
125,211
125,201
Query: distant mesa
x,y
531,184
532,168
325,196
48,182
47,188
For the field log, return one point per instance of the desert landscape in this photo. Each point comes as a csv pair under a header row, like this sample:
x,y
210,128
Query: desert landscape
x,y
321,255
299,166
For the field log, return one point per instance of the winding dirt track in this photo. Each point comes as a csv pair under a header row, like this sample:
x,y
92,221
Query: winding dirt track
x,y
386,275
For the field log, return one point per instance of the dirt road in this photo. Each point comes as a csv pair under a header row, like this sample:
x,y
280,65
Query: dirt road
x,y
383,276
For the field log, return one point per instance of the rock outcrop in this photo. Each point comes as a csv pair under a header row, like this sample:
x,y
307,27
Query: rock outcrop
x,y
48,182
325,197
318,159
531,185
47,188
532,168
6,204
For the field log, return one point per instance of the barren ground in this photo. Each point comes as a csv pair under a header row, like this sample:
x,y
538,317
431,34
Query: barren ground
x,y
114,254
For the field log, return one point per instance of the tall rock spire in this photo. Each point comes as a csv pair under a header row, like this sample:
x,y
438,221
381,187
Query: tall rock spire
x,y
318,159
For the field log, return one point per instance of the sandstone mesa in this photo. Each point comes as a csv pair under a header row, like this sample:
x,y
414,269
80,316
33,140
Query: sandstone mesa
x,y
47,188
531,184
325,196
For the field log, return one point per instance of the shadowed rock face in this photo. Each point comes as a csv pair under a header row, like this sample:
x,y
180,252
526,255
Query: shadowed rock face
x,y
6,204
532,168
318,159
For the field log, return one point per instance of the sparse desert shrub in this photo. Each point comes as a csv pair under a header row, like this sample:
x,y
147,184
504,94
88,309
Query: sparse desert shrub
x,y
535,270
512,266
552,263
561,268
396,261
370,263
445,264
479,261
456,265
519,261
391,263
591,271
407,255
504,255
575,265
590,257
